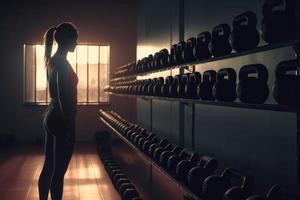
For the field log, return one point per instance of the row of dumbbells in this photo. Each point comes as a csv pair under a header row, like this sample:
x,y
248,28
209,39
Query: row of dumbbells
x,y
121,182
220,42
251,88
195,172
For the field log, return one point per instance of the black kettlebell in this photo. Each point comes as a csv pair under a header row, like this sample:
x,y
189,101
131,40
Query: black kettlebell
x,y
244,35
164,54
145,64
173,87
172,55
219,44
156,60
157,87
286,89
201,50
187,54
191,87
181,86
225,86
165,87
205,88
178,56
279,20
150,62
151,86
253,89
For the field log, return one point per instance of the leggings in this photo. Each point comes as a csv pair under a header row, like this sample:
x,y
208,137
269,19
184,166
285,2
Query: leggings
x,y
58,153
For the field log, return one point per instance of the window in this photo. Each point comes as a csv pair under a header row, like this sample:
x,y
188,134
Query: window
x,y
90,62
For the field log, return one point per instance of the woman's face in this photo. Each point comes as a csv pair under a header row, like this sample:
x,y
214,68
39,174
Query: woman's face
x,y
72,44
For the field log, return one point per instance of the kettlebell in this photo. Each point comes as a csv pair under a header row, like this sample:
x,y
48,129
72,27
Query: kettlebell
x,y
181,86
165,87
219,44
163,54
178,56
244,35
201,50
191,87
145,65
157,87
279,21
253,89
205,88
150,63
151,86
286,89
145,86
156,60
173,87
187,54
172,55
225,87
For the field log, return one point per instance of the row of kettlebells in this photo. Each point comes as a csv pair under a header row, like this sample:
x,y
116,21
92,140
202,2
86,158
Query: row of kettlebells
x,y
251,88
279,24
198,173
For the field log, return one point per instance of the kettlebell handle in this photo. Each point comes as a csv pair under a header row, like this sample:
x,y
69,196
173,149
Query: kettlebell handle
x,y
221,30
286,66
270,5
247,180
210,76
204,37
249,18
229,72
195,77
191,42
259,69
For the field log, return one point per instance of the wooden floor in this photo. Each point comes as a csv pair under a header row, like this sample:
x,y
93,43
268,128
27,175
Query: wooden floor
x,y
85,179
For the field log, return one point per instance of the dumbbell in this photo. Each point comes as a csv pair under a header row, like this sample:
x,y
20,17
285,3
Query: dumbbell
x,y
191,87
142,131
187,54
172,55
219,44
120,182
225,87
279,21
164,55
253,89
135,138
205,88
142,140
287,80
197,174
148,143
159,144
178,55
118,176
220,187
244,35
173,86
157,87
185,154
159,150
275,193
201,50
114,172
124,187
165,87
165,155
130,194
182,84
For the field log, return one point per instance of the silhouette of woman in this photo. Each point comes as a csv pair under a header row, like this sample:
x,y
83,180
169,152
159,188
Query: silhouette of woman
x,y
59,118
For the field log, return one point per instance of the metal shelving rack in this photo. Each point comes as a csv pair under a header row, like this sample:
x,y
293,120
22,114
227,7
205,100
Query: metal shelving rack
x,y
191,102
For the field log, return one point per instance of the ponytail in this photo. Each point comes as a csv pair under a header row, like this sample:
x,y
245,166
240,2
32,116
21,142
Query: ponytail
x,y
48,45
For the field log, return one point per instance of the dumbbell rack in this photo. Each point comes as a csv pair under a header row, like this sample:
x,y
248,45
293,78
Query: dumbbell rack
x,y
187,192
191,102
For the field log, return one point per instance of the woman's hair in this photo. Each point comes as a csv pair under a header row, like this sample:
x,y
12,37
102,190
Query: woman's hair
x,y
62,34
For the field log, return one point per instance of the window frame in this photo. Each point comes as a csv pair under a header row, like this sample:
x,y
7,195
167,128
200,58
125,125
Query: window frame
x,y
86,103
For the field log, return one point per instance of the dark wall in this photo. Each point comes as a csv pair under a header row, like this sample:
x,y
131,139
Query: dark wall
x,y
262,143
111,22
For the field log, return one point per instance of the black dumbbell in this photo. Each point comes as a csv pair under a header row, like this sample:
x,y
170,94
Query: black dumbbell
x,y
141,131
129,194
201,50
165,87
164,56
214,187
191,87
279,21
244,35
196,175
135,139
219,44
123,187
287,83
148,143
158,151
182,84
165,155
173,87
162,143
120,182
187,54
185,154
142,140
225,87
157,87
117,177
253,89
205,88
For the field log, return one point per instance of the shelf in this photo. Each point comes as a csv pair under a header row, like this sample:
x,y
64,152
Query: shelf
x,y
213,59
270,107
145,156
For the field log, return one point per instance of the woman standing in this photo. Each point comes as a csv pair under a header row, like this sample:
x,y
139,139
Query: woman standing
x,y
59,119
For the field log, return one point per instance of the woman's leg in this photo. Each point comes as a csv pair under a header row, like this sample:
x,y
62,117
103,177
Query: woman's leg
x,y
48,168
63,153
